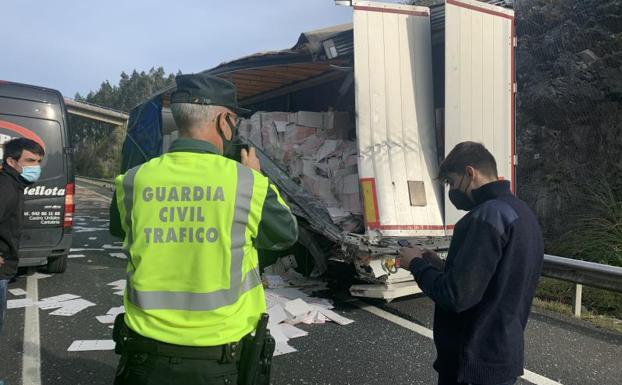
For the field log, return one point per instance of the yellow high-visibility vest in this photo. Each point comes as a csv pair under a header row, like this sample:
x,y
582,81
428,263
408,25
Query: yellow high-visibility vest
x,y
193,275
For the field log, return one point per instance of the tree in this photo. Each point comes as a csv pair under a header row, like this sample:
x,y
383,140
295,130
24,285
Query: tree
x,y
98,145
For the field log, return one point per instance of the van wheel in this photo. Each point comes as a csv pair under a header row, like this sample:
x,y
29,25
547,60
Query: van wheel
x,y
57,264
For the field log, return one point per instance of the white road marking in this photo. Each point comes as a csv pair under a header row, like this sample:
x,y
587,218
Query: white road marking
x,y
535,378
395,319
532,377
31,367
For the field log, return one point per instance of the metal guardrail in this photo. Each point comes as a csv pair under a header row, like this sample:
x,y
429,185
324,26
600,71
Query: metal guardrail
x,y
566,269
582,273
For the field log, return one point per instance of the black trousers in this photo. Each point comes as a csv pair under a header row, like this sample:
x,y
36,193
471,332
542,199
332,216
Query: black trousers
x,y
148,369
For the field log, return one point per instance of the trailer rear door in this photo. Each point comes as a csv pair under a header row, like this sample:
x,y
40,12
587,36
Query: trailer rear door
x,y
395,120
479,83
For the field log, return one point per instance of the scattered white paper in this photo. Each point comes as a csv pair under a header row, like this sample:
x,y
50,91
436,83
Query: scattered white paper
x,y
106,319
60,298
119,283
288,306
120,292
41,276
76,256
47,305
283,348
277,333
116,310
112,247
290,293
90,345
72,307
296,310
83,249
341,320
92,238
18,303
291,331
118,255
17,291
275,281
277,314
314,317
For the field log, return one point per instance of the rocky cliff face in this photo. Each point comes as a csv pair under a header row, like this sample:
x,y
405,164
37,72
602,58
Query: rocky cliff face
x,y
569,106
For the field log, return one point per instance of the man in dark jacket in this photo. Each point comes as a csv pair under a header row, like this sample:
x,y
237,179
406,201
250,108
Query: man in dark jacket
x,y
21,167
483,292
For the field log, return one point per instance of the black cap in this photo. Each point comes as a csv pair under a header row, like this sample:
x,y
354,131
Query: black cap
x,y
208,90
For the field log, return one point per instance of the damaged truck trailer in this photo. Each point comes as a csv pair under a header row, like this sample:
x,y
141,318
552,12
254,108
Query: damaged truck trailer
x,y
352,122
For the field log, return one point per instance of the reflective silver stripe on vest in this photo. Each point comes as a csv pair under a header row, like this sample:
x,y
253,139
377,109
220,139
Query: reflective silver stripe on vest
x,y
181,300
128,201
238,285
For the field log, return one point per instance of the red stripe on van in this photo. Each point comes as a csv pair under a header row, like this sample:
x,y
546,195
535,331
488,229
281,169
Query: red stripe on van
x,y
22,131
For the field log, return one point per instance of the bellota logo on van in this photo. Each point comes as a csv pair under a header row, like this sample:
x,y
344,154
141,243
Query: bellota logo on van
x,y
44,191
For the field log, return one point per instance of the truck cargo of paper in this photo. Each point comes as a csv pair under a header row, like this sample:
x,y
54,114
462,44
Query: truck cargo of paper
x,y
352,122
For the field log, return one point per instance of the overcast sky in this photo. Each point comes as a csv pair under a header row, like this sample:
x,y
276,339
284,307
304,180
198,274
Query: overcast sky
x,y
74,45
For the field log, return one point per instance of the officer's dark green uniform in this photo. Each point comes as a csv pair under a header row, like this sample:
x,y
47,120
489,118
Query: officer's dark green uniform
x,y
192,221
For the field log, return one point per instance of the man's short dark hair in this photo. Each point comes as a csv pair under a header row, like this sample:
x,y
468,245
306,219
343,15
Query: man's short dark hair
x,y
468,154
14,148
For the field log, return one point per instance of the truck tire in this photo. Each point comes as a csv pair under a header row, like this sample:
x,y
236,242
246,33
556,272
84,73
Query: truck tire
x,y
57,264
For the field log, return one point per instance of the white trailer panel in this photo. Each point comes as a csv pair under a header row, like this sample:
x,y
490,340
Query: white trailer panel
x,y
395,120
479,84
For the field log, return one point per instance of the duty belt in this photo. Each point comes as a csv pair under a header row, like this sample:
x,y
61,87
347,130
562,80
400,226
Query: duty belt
x,y
136,343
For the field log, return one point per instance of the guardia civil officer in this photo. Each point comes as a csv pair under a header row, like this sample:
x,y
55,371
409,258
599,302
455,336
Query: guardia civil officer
x,y
192,221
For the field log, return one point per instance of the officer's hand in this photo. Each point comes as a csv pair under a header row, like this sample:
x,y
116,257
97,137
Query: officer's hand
x,y
407,254
249,159
1,261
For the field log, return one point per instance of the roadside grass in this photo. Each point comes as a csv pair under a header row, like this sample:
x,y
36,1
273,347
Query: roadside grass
x,y
600,307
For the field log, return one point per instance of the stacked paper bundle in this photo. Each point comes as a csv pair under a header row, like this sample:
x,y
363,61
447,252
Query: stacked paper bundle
x,y
315,148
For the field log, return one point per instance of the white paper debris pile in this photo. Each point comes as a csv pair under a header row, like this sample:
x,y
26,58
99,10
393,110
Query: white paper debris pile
x,y
289,306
